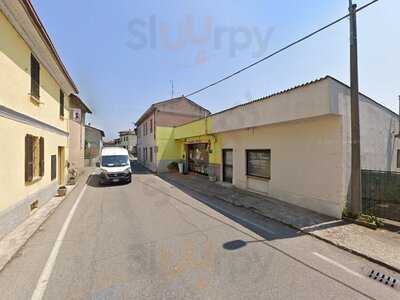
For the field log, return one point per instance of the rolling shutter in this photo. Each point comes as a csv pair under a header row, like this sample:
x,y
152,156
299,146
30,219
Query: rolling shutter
x,y
259,163
41,156
28,158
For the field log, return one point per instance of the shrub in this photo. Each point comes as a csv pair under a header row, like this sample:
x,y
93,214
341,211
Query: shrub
x,y
173,166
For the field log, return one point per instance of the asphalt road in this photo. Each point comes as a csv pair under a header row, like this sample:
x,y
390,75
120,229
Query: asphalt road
x,y
150,240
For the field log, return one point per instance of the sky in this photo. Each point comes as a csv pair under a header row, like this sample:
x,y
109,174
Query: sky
x,y
123,55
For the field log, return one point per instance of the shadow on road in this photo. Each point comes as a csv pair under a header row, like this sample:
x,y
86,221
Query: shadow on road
x,y
137,168
267,229
94,181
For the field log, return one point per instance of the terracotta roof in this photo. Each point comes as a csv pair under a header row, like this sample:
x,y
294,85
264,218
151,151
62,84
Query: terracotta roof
x,y
46,38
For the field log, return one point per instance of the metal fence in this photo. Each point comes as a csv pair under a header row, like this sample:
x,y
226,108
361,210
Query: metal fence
x,y
381,194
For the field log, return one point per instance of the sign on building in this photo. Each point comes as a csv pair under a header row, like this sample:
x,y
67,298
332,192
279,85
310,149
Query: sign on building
x,y
77,115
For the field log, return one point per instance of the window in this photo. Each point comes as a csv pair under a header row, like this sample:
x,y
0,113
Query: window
x,y
398,158
259,163
35,77
151,154
34,158
61,104
53,167
151,125
145,154
115,160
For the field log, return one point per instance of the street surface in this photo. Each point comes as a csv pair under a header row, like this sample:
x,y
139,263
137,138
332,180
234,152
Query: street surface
x,y
150,240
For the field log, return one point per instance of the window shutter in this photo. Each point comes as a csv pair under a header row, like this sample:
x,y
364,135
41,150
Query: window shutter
x,y
35,77
61,103
28,158
41,156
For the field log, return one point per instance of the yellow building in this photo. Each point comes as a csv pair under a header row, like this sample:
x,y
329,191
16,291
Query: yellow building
x,y
156,147
34,117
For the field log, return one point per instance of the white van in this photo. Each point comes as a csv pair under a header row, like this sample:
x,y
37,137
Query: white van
x,y
114,165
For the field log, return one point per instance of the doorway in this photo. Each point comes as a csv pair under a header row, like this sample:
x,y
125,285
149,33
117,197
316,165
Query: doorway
x,y
198,158
61,165
227,165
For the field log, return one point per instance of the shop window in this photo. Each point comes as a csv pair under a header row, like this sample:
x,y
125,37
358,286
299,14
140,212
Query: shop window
x,y
259,163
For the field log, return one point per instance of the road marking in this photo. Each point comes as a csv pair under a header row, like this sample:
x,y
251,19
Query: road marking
x,y
41,286
338,265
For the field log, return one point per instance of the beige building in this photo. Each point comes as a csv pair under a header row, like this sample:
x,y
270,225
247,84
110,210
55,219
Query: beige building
x,y
128,140
93,145
77,116
293,145
34,123
155,126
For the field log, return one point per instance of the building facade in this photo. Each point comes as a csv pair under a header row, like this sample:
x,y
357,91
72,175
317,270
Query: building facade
x,y
128,140
156,148
294,145
77,115
93,145
34,122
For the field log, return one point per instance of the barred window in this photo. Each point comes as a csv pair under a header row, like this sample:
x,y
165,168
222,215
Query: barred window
x,y
259,163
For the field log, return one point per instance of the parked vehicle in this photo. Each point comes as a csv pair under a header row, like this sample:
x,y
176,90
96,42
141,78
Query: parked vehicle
x,y
114,165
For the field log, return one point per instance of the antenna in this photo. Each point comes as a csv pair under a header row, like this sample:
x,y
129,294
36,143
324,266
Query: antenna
x,y
172,88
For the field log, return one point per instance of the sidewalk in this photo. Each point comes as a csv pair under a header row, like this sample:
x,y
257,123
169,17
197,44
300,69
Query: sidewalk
x,y
380,246
15,240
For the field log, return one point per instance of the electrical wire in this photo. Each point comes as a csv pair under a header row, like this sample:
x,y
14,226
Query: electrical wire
x,y
279,51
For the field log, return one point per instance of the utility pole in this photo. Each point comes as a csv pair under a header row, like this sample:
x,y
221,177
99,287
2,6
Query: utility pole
x,y
398,134
355,116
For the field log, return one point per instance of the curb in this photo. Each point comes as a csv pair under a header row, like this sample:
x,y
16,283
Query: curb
x,y
21,243
255,210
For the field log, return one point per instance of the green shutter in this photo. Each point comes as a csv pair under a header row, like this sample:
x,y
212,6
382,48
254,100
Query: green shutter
x,y
41,150
61,103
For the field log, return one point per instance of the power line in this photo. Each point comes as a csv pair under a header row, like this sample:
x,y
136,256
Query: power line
x,y
279,51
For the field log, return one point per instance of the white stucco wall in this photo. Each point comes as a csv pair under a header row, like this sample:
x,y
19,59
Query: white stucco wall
x,y
378,127
308,101
306,157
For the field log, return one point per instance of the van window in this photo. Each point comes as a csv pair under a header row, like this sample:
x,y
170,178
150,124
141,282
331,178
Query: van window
x,y
114,160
